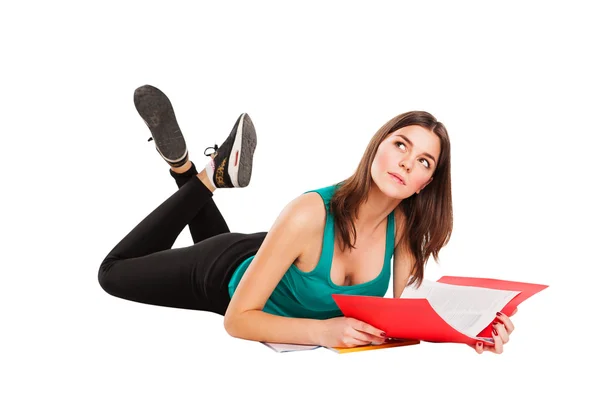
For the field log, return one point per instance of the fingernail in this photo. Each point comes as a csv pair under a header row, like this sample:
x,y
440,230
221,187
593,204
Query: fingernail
x,y
382,334
495,332
479,344
499,314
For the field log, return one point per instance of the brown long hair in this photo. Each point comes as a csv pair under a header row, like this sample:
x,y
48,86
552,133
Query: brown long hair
x,y
428,215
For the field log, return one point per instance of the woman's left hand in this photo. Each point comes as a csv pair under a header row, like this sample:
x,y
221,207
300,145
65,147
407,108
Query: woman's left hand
x,y
502,327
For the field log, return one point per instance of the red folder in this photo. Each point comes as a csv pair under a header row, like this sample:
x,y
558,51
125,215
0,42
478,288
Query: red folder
x,y
416,319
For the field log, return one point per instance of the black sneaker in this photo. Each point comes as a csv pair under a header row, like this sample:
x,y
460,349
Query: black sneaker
x,y
232,162
155,109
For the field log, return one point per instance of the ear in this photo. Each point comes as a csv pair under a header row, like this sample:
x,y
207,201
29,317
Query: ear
x,y
427,183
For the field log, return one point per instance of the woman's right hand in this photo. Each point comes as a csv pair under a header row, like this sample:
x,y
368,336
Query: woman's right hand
x,y
349,332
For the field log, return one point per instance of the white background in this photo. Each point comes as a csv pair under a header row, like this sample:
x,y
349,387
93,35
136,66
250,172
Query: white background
x,y
515,83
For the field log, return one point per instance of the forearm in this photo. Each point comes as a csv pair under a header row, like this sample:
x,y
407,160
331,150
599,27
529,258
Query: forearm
x,y
264,327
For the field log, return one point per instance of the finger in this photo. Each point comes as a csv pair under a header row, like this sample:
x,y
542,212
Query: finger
x,y
364,336
500,330
352,338
498,346
506,321
353,342
364,327
479,347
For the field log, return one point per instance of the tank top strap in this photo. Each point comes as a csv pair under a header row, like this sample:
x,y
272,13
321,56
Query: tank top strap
x,y
323,267
390,236
326,194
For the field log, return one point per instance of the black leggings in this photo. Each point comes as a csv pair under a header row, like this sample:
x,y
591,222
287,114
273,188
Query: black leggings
x,y
144,268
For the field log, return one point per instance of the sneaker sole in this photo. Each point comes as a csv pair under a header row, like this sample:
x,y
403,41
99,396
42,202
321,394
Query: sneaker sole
x,y
157,112
242,153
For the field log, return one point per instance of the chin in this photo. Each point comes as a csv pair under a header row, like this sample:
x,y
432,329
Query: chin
x,y
392,189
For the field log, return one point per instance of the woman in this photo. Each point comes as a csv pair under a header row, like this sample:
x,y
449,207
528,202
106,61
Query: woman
x,y
276,286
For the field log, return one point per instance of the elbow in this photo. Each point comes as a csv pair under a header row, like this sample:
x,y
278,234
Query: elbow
x,y
231,324
237,325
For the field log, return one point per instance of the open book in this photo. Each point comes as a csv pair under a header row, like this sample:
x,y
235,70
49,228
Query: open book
x,y
453,309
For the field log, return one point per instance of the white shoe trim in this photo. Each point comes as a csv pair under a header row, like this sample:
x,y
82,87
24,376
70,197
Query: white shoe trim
x,y
233,169
168,159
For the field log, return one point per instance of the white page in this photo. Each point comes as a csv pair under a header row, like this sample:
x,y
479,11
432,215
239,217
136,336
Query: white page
x,y
467,309
287,347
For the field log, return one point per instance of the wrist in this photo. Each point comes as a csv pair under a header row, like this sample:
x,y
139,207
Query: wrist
x,y
316,331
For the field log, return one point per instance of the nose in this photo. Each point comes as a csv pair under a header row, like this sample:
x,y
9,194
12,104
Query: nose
x,y
406,163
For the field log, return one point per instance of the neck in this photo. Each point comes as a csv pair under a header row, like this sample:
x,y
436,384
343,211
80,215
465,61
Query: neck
x,y
374,211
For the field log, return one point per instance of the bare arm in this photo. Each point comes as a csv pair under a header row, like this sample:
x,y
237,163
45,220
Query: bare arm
x,y
284,242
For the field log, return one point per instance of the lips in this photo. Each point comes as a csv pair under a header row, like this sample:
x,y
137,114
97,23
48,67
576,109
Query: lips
x,y
398,178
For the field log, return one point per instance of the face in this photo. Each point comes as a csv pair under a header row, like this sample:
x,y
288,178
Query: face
x,y
412,153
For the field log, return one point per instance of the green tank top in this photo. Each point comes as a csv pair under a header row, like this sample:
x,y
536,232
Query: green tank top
x,y
308,294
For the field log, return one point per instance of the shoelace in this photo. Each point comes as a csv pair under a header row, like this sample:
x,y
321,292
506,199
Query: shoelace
x,y
215,148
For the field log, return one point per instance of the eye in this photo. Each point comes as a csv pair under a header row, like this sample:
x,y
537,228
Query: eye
x,y
401,144
426,162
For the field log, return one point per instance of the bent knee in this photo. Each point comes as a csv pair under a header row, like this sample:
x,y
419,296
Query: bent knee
x,y
106,279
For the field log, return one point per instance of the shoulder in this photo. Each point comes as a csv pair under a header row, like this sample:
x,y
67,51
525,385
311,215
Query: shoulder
x,y
305,205
305,212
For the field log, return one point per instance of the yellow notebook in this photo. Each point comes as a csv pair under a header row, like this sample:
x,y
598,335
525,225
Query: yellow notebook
x,y
386,344
285,348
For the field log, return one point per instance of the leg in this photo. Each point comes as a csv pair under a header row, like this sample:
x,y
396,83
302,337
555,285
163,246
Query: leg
x,y
194,277
159,230
143,267
230,165
209,221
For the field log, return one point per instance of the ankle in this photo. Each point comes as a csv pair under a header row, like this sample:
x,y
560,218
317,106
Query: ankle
x,y
204,179
183,169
